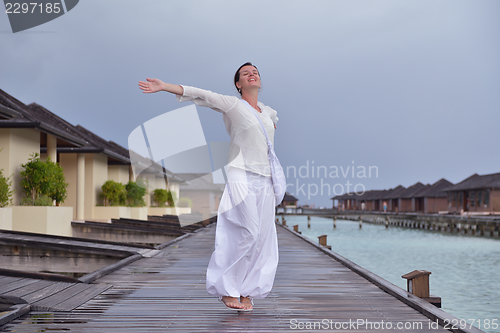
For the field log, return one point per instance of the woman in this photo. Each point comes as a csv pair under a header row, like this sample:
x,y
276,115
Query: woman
x,y
245,259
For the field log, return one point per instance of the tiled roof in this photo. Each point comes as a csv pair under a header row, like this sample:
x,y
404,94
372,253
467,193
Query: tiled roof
x,y
119,149
435,190
411,191
97,141
394,193
368,195
17,114
50,120
289,197
414,191
476,181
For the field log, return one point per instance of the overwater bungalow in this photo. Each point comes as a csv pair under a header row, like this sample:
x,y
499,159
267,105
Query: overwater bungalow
x,y
288,200
416,198
431,199
478,194
406,202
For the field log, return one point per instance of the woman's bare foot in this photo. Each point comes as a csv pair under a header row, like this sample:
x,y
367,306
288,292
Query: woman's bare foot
x,y
246,302
231,302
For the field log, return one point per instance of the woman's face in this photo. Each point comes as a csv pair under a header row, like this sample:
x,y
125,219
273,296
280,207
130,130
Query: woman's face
x,y
249,78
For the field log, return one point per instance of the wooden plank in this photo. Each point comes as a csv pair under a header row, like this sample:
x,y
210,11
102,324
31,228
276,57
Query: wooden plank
x,y
46,292
19,283
46,303
38,285
2,277
80,298
8,279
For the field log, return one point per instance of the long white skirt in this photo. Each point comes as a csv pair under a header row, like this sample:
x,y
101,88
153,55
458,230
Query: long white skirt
x,y
245,259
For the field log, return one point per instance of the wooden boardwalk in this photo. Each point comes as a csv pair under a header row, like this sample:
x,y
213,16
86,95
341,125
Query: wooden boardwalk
x,y
45,295
167,293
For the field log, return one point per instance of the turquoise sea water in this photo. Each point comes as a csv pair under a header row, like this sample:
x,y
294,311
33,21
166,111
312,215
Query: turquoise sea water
x,y
465,269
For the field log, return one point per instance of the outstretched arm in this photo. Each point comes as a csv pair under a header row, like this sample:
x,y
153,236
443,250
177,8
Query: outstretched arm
x,y
217,102
155,85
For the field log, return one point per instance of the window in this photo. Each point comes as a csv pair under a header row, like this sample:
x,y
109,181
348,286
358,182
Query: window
x,y
479,198
455,199
472,198
461,199
486,198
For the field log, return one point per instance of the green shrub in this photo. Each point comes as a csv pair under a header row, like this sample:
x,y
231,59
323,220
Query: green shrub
x,y
135,194
185,202
42,200
43,178
162,196
113,193
5,191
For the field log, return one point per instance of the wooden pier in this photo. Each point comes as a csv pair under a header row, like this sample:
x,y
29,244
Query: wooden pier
x,y
474,225
166,292
486,227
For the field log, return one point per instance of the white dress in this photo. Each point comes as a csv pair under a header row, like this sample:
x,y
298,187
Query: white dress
x,y
245,258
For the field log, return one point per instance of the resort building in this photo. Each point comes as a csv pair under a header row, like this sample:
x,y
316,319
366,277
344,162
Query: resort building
x,y
200,193
288,201
87,160
476,194
418,198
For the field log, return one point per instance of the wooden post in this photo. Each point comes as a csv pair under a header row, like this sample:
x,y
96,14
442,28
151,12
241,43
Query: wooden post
x,y
418,282
360,223
335,222
296,228
386,222
80,187
283,222
322,241
418,285
309,221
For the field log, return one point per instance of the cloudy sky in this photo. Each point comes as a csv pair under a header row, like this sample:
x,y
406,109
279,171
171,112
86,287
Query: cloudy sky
x,y
409,88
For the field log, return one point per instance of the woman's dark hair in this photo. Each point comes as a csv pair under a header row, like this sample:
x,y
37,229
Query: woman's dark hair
x,y
237,74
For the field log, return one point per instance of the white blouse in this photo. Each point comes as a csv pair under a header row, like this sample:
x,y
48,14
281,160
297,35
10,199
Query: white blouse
x,y
242,126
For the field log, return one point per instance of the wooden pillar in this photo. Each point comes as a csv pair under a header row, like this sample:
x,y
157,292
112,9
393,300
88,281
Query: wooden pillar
x,y
322,241
52,147
296,228
386,222
360,223
335,222
418,285
80,187
131,175
309,221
